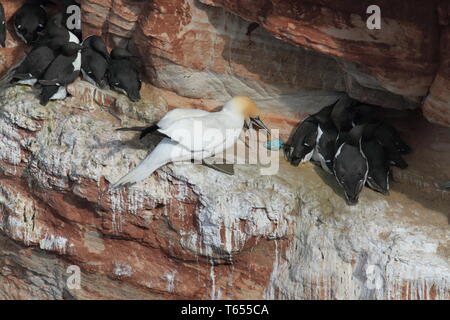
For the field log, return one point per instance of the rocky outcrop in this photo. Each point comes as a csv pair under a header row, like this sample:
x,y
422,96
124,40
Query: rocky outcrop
x,y
14,48
306,51
303,49
437,104
190,232
389,55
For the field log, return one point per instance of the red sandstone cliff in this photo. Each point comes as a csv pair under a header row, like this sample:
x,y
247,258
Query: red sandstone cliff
x,y
189,232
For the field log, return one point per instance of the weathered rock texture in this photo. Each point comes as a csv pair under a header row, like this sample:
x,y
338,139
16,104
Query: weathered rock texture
x,y
436,107
13,51
303,54
200,49
191,232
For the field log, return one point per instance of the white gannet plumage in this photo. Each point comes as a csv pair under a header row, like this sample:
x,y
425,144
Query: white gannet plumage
x,y
194,134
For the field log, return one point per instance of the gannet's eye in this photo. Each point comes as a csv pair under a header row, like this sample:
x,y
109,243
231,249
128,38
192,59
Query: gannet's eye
x,y
19,26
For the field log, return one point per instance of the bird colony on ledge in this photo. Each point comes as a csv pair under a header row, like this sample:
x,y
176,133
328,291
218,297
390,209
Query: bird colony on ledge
x,y
58,55
346,139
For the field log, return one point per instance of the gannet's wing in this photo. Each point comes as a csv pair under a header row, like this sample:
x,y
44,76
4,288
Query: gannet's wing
x,y
178,114
201,133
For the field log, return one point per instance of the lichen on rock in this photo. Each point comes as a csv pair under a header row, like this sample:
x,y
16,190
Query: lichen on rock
x,y
189,231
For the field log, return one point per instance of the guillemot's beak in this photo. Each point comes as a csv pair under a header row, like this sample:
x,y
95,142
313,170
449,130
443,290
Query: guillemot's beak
x,y
259,123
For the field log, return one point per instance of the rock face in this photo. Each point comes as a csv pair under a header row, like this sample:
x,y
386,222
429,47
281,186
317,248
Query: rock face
x,y
14,48
300,58
189,231
302,49
436,107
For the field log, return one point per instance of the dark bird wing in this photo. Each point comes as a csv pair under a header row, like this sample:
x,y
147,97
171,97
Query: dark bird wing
x,y
301,142
326,146
2,26
350,169
94,64
389,133
343,113
378,175
35,64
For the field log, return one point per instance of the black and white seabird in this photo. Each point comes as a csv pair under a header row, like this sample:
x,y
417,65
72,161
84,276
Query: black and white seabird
x,y
55,29
123,74
2,26
94,61
343,113
395,158
33,67
388,137
387,134
350,165
61,72
379,172
30,21
326,139
365,113
300,146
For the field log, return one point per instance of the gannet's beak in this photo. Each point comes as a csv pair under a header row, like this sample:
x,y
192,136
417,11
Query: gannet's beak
x,y
259,123
247,124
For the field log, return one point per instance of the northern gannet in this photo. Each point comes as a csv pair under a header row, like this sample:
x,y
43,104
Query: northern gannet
x,y
195,134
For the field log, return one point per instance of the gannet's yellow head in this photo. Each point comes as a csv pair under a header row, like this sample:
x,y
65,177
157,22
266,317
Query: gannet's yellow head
x,y
247,108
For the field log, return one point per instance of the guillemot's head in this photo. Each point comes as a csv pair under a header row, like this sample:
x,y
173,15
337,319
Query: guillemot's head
x,y
246,107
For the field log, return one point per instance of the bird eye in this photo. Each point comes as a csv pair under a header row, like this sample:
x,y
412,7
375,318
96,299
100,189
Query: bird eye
x,y
19,26
116,84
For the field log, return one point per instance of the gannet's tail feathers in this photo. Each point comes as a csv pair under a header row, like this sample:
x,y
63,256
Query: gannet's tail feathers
x,y
157,158
144,130
131,129
142,171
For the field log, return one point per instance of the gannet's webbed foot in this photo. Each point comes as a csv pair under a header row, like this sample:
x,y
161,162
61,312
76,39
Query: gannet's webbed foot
x,y
221,167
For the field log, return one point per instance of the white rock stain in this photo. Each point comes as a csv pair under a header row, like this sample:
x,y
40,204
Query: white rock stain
x,y
264,205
